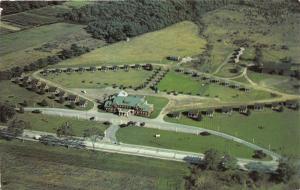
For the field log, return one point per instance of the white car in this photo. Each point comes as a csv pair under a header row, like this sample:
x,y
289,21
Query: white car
x,y
83,91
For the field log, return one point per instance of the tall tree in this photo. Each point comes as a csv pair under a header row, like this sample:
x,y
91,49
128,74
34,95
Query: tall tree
x,y
212,159
93,134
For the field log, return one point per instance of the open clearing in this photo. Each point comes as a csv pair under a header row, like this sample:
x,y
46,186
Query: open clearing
x,y
14,94
231,26
181,141
100,79
279,130
281,83
30,165
181,39
23,47
46,123
194,87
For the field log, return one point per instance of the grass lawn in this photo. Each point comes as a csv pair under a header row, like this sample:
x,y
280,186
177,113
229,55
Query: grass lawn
x,y
279,130
14,94
158,102
100,79
181,39
46,123
189,85
23,47
77,3
181,141
28,165
8,26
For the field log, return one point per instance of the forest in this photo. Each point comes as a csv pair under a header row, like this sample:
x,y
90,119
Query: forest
x,y
11,7
116,20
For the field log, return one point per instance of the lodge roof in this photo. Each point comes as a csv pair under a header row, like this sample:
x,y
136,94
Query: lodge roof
x,y
130,101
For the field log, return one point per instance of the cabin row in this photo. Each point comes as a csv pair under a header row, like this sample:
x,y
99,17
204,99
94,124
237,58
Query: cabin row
x,y
243,109
214,80
147,67
235,58
41,87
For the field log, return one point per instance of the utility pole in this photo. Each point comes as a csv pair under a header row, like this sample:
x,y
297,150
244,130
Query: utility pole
x,y
0,173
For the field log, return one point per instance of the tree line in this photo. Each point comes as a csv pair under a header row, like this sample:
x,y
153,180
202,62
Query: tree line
x,y
74,51
221,171
116,20
11,7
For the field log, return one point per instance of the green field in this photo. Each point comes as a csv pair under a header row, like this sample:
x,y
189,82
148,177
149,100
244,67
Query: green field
x,y
8,26
23,47
98,79
46,123
188,85
158,102
229,27
27,165
181,39
281,83
279,130
14,94
181,141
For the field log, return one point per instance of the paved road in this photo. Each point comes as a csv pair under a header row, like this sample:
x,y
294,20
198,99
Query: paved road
x,y
110,134
151,152
150,123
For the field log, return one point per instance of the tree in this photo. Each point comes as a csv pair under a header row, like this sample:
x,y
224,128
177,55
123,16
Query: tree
x,y
44,103
21,109
259,154
72,105
61,100
229,162
93,134
25,103
16,127
286,170
65,130
212,159
6,112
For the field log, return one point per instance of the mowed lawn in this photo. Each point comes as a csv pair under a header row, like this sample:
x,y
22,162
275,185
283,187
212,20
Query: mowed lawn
x,y
181,141
19,48
99,79
158,102
28,165
279,130
14,94
187,85
180,39
47,123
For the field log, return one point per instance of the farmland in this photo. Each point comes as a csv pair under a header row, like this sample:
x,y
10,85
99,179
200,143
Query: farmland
x,y
98,79
32,166
279,130
23,47
194,87
181,141
39,122
181,39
